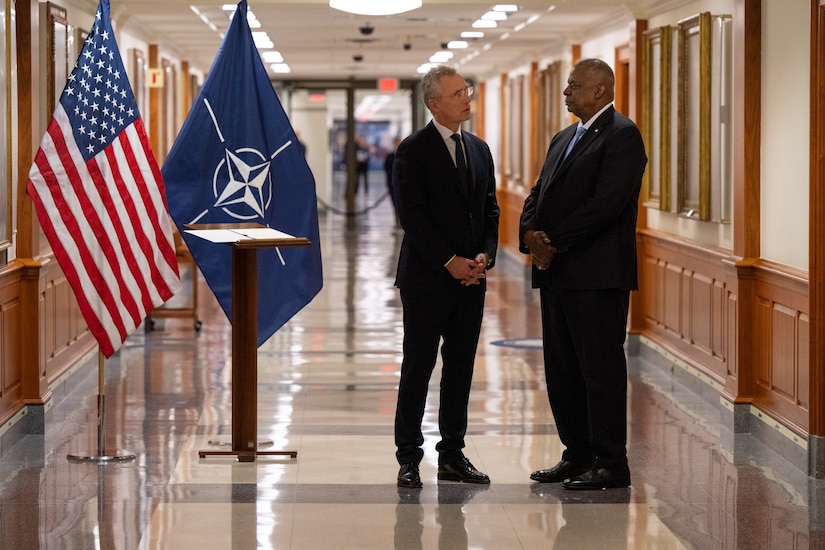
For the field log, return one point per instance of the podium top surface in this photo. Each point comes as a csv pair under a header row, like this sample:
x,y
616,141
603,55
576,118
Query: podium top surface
x,y
245,235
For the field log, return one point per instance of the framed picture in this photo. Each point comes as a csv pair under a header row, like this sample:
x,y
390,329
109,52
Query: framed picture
x,y
137,76
57,47
550,107
657,72
8,142
169,107
693,199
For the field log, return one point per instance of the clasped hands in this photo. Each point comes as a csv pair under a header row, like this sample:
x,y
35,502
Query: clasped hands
x,y
539,244
469,271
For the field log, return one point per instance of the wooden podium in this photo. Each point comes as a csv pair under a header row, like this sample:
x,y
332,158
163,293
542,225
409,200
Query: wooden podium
x,y
245,240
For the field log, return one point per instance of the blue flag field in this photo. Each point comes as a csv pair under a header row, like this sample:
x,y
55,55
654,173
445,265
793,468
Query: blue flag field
x,y
237,159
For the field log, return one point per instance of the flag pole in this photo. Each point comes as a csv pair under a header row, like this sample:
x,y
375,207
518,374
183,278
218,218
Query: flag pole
x,y
101,456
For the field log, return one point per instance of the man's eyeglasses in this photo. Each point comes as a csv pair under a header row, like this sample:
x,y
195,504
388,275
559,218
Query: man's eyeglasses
x,y
459,95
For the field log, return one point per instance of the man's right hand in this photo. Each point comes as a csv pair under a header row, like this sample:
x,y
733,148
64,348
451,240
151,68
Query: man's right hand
x,y
539,245
468,271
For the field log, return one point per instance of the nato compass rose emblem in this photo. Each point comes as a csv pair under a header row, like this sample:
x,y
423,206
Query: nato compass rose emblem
x,y
241,182
247,185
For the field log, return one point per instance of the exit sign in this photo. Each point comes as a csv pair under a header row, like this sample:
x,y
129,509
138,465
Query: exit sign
x,y
388,84
154,78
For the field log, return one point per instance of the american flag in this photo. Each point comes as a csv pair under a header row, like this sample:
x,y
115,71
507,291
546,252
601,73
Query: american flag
x,y
100,197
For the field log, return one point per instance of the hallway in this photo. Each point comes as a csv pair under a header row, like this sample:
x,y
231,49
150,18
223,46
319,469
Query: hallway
x,y
326,388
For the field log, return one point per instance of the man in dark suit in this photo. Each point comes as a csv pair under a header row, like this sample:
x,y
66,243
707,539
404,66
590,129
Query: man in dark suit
x,y
388,162
444,185
579,223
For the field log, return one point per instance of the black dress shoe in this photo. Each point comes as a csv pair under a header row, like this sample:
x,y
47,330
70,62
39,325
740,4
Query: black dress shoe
x,y
599,478
408,476
462,470
559,472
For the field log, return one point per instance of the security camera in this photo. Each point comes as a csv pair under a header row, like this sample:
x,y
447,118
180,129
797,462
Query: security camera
x,y
367,29
357,58
407,46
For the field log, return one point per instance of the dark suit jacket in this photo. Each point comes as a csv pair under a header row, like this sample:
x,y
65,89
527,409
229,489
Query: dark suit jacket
x,y
587,205
438,217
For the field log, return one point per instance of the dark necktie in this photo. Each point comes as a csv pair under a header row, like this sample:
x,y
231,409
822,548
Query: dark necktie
x,y
461,163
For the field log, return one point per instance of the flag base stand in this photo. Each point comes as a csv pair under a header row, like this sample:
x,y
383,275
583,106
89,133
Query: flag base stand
x,y
261,444
102,457
246,456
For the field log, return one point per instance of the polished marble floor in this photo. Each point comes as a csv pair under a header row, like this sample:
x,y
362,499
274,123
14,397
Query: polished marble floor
x,y
327,384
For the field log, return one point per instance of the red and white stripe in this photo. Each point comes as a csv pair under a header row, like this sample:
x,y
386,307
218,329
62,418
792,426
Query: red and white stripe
x,y
108,226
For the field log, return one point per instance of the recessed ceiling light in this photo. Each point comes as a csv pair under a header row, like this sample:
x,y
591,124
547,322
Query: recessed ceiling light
x,y
272,56
375,7
441,56
262,40
495,16
484,24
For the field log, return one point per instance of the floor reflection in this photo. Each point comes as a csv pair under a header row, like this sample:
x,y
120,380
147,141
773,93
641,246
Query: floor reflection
x,y
326,388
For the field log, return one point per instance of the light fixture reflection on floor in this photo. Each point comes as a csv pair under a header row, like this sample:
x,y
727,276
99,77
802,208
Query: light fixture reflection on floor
x,y
375,7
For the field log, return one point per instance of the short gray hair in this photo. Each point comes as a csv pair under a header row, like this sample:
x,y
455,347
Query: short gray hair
x,y
430,87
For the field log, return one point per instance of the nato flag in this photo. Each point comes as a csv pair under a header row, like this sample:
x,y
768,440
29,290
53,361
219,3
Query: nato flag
x,y
236,160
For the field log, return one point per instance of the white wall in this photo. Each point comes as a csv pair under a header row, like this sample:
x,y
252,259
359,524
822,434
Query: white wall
x,y
715,7
713,234
785,134
492,121
785,131
604,46
309,120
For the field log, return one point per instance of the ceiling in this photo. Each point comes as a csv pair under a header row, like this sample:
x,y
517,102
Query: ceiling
x,y
318,42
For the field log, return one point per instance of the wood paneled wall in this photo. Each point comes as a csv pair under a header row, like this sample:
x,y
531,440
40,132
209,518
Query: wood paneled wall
x,y
690,305
42,334
511,203
11,317
684,302
67,338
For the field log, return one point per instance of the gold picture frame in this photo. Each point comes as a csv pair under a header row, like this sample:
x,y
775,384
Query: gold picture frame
x,y
694,120
515,145
57,46
657,71
549,107
137,77
8,141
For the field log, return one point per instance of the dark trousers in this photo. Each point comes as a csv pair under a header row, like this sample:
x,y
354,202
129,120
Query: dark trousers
x,y
362,171
586,371
454,316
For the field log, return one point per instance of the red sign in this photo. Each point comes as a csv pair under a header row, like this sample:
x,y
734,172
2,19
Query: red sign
x,y
388,84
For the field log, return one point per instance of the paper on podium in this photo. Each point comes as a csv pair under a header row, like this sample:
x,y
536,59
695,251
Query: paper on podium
x,y
245,235
235,235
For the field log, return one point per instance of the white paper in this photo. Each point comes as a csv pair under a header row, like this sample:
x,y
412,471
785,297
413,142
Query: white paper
x,y
235,235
